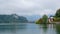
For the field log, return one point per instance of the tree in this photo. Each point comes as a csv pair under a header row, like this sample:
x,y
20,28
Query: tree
x,y
39,21
57,13
45,19
42,20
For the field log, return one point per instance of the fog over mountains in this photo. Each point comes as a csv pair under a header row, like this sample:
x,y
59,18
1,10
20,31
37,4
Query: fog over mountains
x,y
33,17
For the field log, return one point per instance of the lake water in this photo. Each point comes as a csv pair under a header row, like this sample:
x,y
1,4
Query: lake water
x,y
30,28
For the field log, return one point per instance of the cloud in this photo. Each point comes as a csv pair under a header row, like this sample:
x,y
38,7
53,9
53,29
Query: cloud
x,y
29,7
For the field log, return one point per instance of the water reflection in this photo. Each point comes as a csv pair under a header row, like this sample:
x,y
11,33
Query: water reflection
x,y
48,28
44,27
12,29
30,29
58,29
7,30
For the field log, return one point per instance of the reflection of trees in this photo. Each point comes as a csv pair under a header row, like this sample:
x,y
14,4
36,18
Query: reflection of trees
x,y
58,29
44,27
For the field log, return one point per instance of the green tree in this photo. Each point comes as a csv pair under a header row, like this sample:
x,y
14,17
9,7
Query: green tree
x,y
39,21
45,19
57,13
57,16
42,20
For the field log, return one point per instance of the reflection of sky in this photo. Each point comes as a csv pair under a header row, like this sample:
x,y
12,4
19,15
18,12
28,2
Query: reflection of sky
x,y
29,7
30,29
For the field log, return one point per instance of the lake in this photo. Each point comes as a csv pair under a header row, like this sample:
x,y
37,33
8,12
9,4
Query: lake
x,y
30,28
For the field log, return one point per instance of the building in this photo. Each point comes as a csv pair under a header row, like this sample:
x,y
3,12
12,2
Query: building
x,y
50,19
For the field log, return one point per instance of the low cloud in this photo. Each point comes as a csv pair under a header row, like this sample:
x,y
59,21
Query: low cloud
x,y
29,7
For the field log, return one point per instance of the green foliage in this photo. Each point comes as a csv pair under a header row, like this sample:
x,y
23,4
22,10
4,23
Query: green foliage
x,y
57,16
45,19
42,20
57,13
58,28
39,21
56,19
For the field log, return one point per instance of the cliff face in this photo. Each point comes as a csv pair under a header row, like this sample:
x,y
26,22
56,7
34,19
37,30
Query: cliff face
x,y
12,18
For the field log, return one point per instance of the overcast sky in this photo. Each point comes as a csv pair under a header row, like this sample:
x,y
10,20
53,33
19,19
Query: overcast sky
x,y
29,7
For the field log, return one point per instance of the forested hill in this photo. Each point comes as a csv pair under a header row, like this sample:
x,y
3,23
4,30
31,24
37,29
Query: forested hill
x,y
12,18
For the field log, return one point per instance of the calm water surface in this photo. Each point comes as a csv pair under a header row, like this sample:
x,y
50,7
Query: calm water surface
x,y
30,28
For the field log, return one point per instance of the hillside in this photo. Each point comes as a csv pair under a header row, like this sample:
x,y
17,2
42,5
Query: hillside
x,y
12,18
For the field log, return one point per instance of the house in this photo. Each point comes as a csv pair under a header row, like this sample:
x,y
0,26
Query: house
x,y
50,19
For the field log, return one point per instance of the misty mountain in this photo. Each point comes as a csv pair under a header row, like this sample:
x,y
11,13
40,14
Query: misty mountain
x,y
33,17
12,18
